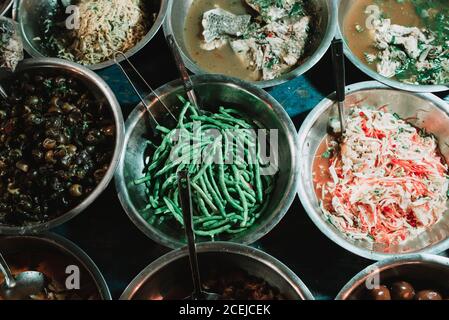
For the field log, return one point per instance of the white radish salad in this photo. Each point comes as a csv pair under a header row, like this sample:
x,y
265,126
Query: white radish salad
x,y
388,181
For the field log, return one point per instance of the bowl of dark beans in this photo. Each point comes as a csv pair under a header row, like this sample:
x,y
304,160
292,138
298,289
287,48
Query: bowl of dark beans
x,y
61,135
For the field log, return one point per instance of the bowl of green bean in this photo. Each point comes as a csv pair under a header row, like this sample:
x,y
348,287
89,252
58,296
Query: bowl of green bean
x,y
240,151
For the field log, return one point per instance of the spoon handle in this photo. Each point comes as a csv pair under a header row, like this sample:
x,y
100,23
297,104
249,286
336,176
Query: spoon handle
x,y
10,281
187,82
187,214
338,60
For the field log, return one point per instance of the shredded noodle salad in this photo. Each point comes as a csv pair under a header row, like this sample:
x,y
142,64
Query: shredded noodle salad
x,y
388,180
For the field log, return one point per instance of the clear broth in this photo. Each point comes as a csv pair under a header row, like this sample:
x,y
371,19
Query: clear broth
x,y
223,60
362,42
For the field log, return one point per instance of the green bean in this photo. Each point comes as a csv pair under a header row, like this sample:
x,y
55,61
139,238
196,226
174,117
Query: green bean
x,y
222,184
204,196
205,181
211,233
259,191
163,129
142,180
173,210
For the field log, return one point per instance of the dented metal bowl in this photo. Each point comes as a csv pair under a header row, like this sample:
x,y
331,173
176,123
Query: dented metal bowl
x,y
343,9
168,278
428,271
102,92
31,16
214,91
58,253
327,13
425,111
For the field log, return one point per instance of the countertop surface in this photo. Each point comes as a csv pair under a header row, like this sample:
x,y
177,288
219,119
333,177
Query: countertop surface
x,y
121,251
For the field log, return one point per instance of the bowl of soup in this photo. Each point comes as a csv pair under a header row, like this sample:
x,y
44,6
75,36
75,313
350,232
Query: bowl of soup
x,y
266,43
380,190
403,44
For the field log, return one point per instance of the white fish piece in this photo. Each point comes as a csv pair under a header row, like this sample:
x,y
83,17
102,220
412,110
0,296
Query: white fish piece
x,y
219,23
249,52
387,67
286,45
215,44
386,34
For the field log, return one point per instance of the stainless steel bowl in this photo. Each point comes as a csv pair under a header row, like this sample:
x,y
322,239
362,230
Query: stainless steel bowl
x,y
169,277
31,15
343,9
429,112
102,92
327,10
426,270
214,90
60,253
5,6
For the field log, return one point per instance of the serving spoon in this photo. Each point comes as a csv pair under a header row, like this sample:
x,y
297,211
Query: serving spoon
x,y
187,210
22,286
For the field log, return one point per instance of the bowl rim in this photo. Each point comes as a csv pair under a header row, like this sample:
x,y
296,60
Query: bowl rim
x,y
74,250
301,69
387,264
32,51
221,248
419,88
289,196
56,64
316,216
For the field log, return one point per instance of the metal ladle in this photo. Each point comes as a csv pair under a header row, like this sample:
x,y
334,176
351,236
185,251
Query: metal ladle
x,y
22,286
187,214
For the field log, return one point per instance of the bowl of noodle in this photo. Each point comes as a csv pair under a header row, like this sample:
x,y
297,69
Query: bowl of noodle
x,y
89,32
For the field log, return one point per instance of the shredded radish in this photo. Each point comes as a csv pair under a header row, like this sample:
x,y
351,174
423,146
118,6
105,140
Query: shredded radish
x,y
389,182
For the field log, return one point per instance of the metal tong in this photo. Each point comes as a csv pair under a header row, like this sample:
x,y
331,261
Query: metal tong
x,y
338,61
142,97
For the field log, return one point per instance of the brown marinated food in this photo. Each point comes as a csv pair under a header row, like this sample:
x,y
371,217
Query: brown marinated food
x,y
402,290
428,295
381,293
239,285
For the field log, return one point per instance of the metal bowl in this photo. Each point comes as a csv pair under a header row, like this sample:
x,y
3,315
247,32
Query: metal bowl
x,y
5,6
31,15
327,11
214,90
169,278
431,113
343,9
426,270
101,91
60,253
